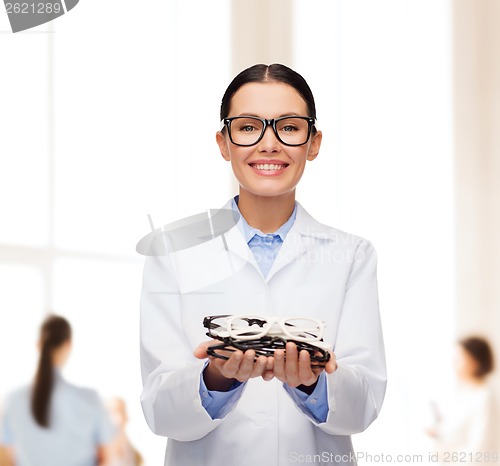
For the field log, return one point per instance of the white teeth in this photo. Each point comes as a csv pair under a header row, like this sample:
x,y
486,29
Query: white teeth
x,y
269,166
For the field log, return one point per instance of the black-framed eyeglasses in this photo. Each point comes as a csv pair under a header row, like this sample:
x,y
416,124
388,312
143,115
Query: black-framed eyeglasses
x,y
267,347
249,130
265,335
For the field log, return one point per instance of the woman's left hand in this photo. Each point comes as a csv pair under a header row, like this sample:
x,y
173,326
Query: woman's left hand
x,y
296,370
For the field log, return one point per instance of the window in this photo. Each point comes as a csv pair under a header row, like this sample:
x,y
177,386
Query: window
x,y
93,139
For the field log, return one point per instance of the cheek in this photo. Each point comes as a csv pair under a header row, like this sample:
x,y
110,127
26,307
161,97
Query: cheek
x,y
459,364
239,155
298,155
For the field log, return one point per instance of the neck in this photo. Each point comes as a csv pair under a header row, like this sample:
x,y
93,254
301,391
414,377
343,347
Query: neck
x,y
60,355
267,213
473,381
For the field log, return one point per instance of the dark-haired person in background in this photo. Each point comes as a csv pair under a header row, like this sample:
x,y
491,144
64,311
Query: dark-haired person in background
x,y
51,422
466,429
270,411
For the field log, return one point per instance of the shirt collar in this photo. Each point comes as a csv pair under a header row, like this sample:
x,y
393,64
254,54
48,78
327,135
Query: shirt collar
x,y
249,232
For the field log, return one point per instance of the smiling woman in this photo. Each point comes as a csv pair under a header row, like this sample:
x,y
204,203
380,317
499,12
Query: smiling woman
x,y
284,263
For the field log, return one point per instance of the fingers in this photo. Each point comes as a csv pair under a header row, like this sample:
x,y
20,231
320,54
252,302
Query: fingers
x,y
270,363
231,367
331,365
279,365
201,351
294,369
260,367
268,373
242,366
291,364
307,376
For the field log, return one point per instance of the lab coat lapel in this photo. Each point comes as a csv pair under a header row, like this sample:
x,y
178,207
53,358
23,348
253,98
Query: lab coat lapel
x,y
301,237
291,249
212,261
299,240
225,255
237,245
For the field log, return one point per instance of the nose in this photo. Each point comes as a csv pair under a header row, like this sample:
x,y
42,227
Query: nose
x,y
269,142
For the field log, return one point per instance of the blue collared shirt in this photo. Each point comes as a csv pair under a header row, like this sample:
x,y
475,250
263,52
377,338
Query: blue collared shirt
x,y
265,248
79,424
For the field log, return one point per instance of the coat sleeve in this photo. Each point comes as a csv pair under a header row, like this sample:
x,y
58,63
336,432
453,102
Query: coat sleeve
x,y
170,373
356,389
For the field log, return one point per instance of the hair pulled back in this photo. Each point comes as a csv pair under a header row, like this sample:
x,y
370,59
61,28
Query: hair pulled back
x,y
269,73
55,331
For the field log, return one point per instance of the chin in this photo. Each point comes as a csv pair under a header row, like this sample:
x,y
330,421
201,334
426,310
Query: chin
x,y
269,192
267,188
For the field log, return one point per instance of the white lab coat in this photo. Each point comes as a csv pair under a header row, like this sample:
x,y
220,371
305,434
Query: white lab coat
x,y
319,272
468,432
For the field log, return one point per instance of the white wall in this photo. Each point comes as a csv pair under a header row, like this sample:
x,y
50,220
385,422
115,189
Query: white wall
x,y
382,78
477,126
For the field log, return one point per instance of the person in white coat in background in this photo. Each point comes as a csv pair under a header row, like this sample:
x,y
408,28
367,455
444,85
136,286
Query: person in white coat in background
x,y
466,429
276,261
52,422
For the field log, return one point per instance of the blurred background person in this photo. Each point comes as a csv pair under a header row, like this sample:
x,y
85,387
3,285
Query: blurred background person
x,y
121,451
4,459
51,422
466,427
4,454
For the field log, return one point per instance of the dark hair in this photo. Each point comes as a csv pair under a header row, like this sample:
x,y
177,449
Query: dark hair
x,y
54,333
269,73
480,351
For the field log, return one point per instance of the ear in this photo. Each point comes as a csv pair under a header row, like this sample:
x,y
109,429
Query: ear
x,y
315,145
222,143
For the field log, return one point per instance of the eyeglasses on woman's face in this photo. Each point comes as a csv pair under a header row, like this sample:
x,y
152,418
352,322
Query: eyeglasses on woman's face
x,y
249,130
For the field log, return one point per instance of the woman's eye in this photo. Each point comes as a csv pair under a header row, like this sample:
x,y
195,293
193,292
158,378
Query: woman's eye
x,y
247,128
289,129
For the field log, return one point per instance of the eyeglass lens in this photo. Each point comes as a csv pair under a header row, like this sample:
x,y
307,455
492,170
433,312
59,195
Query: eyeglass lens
x,y
248,130
299,327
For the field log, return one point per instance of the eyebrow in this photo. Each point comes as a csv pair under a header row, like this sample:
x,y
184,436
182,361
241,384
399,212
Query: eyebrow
x,y
258,116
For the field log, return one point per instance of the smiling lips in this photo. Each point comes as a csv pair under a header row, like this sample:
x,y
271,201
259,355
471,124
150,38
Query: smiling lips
x,y
268,167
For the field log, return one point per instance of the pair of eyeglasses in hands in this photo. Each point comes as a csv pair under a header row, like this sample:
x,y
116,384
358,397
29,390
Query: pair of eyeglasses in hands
x,y
265,335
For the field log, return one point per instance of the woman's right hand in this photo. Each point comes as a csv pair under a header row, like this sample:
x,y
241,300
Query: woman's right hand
x,y
220,374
